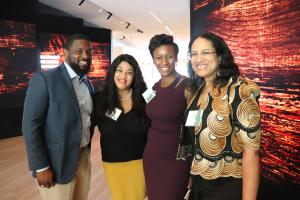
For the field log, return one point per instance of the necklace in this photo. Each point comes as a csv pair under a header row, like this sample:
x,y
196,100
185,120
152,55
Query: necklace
x,y
125,98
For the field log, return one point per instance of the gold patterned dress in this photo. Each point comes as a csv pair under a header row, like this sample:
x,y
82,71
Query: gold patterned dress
x,y
230,122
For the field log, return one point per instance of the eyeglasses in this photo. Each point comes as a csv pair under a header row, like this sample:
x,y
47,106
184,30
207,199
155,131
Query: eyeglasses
x,y
194,54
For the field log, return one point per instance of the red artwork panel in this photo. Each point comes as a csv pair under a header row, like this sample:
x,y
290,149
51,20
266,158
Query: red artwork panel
x,y
51,55
264,38
18,60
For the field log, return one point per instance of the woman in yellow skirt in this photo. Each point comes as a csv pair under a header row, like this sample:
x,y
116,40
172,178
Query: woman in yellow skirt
x,y
123,124
126,179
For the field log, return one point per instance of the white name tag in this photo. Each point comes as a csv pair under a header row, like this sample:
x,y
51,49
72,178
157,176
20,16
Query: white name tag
x,y
194,118
149,94
114,115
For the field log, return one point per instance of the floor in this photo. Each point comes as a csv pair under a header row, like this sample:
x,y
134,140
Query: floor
x,y
16,182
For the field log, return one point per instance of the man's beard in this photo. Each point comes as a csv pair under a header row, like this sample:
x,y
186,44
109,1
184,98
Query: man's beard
x,y
79,71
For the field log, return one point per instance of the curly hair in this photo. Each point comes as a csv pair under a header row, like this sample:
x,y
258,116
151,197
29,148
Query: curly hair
x,y
227,67
108,99
162,39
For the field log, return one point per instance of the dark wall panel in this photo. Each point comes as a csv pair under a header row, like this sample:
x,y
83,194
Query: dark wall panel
x,y
59,24
19,10
28,28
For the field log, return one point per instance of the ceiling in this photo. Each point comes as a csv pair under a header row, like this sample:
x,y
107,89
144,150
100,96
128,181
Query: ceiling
x,y
146,18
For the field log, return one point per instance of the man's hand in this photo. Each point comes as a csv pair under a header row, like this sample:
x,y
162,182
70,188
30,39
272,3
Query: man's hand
x,y
45,178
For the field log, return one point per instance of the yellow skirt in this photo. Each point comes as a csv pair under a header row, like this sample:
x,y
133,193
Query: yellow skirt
x,y
125,180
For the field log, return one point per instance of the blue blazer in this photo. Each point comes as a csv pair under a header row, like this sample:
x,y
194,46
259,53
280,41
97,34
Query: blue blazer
x,y
52,124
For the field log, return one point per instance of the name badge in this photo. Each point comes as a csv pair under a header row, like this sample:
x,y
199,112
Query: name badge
x,y
114,115
149,94
194,118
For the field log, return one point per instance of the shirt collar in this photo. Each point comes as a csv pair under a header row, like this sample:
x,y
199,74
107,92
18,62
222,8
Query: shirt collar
x,y
71,72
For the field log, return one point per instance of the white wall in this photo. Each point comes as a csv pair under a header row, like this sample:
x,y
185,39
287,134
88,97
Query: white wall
x,y
144,59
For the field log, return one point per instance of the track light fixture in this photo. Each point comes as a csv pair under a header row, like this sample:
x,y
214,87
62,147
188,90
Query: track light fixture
x,y
140,31
127,26
80,3
109,15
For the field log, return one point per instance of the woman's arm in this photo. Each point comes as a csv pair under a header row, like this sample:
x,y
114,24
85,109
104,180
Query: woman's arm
x,y
250,173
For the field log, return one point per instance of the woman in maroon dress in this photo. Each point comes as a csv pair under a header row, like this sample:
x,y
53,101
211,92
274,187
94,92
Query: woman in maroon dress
x,y
166,177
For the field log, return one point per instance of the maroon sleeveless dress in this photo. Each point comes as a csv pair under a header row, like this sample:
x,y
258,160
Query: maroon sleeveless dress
x,y
166,177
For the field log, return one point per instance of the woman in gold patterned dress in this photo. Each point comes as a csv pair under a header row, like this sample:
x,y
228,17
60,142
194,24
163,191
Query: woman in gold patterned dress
x,y
226,130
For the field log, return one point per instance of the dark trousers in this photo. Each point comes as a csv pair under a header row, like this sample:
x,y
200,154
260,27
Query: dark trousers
x,y
228,188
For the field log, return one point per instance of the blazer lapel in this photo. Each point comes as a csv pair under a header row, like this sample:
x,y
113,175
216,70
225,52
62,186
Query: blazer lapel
x,y
68,84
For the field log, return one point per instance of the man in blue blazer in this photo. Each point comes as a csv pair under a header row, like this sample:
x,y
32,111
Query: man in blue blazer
x,y
57,124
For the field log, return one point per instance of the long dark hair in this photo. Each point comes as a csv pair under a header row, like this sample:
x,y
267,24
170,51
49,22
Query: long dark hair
x,y
108,99
227,67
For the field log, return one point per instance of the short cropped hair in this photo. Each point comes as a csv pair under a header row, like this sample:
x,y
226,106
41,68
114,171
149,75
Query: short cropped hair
x,y
162,39
77,36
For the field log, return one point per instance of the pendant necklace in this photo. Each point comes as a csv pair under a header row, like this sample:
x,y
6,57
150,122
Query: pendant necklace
x,y
125,98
